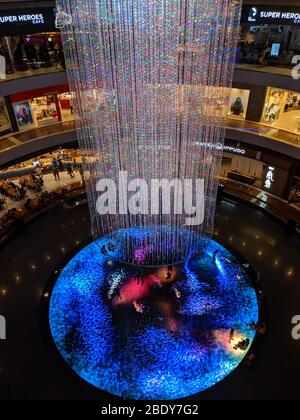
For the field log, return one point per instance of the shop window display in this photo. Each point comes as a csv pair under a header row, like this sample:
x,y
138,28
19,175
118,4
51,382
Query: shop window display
x,y
32,52
23,114
44,110
66,101
4,119
268,45
282,110
239,100
294,195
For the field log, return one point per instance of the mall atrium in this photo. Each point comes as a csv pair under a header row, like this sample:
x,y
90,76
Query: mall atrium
x,y
149,200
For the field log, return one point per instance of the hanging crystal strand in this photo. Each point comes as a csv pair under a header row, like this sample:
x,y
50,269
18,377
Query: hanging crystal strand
x,y
151,81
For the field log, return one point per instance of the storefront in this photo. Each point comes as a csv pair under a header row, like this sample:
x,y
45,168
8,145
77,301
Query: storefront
x,y
282,110
5,125
263,169
40,107
239,100
29,40
269,35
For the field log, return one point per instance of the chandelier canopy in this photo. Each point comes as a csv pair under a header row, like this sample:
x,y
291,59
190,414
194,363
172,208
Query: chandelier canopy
x,y
152,80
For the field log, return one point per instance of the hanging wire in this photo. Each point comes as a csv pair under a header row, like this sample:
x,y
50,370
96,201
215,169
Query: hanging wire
x,y
152,85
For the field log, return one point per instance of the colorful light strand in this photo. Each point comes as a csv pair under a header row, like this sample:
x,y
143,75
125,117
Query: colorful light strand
x,y
152,82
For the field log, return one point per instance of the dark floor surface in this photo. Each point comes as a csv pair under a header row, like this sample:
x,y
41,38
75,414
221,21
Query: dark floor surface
x,y
30,368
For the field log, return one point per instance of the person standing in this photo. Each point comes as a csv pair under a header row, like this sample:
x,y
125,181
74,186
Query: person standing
x,y
56,174
81,171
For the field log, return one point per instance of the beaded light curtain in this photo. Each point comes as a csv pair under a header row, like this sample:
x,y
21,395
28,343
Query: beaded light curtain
x,y
152,80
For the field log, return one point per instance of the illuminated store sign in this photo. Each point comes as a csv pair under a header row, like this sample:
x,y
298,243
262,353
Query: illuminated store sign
x,y
34,19
219,146
269,177
271,15
28,21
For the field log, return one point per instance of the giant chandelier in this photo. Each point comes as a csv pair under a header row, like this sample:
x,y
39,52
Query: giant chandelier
x,y
152,82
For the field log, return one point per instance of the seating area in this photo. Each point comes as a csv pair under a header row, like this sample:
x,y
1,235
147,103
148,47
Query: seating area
x,y
22,197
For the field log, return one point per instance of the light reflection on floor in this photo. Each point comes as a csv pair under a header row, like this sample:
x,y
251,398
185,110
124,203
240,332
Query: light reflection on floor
x,y
146,334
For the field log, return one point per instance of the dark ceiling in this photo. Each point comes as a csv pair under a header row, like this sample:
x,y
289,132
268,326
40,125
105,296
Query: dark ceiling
x,y
42,3
18,3
274,2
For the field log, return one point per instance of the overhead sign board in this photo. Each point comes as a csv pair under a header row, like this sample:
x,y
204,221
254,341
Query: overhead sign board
x,y
272,15
28,21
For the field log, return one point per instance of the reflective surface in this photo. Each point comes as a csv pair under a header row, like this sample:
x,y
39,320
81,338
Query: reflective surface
x,y
31,368
153,333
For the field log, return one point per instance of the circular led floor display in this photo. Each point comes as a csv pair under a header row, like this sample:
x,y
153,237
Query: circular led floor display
x,y
145,332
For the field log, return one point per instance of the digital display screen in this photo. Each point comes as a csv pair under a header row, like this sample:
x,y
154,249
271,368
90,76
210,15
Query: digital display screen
x,y
275,50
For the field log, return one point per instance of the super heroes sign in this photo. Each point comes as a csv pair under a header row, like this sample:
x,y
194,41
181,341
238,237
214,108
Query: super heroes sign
x,y
35,19
20,22
268,15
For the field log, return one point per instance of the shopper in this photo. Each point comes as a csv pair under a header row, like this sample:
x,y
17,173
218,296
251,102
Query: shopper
x,y
60,165
70,171
81,171
231,335
104,251
56,174
214,256
250,360
169,273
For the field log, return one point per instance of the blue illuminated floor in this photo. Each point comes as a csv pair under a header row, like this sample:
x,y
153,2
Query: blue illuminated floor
x,y
142,334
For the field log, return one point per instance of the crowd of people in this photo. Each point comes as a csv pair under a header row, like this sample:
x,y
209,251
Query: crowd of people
x,y
19,197
59,166
17,191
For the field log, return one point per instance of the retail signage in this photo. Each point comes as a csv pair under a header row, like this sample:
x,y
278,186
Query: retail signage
x,y
261,14
269,177
22,22
221,147
231,149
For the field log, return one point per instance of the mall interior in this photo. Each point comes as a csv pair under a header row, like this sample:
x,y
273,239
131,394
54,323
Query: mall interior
x,y
45,225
